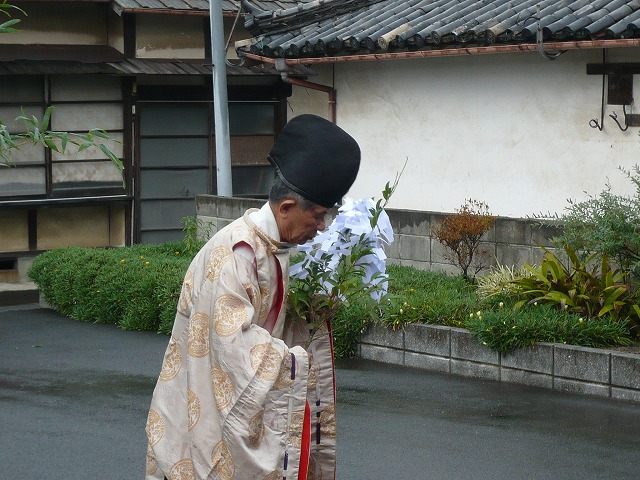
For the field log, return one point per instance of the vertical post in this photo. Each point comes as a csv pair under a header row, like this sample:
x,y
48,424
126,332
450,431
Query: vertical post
x,y
220,103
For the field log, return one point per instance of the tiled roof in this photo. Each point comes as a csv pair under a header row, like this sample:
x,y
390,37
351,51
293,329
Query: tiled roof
x,y
228,6
174,67
138,67
51,67
347,27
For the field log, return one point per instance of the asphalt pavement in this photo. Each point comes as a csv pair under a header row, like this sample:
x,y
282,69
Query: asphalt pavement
x,y
74,399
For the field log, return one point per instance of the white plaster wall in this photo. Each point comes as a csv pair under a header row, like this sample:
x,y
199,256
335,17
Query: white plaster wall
x,y
511,130
307,100
169,36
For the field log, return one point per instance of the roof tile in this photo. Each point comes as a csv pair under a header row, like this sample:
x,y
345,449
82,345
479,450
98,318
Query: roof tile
x,y
345,27
228,6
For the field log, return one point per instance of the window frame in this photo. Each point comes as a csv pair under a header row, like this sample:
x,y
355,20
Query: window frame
x,y
50,192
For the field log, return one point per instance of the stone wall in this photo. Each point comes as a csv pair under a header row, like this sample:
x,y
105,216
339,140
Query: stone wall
x,y
509,242
568,368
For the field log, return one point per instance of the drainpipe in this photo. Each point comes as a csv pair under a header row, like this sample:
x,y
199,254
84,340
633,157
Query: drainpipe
x,y
283,68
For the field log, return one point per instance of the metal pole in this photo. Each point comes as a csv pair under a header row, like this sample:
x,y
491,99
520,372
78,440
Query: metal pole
x,y
220,103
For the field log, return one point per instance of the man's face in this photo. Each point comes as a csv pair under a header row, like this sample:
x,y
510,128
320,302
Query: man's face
x,y
299,226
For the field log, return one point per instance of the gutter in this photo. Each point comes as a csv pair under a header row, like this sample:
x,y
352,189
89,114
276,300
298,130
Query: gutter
x,y
283,67
451,52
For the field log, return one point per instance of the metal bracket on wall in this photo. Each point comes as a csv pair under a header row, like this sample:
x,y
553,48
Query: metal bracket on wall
x,y
540,39
633,120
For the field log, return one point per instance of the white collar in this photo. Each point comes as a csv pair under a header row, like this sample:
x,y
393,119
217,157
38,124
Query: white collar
x,y
265,220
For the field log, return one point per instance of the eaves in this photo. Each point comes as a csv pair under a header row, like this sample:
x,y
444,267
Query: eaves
x,y
549,48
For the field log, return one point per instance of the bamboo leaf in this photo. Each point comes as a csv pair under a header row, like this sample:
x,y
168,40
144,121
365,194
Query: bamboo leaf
x,y
64,139
100,134
44,125
51,144
6,26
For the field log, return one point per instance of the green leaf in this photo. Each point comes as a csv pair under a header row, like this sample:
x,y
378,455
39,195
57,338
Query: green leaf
x,y
560,297
51,144
614,295
44,125
100,133
538,274
64,139
6,26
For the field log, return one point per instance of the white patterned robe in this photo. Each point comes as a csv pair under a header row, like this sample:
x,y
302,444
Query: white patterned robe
x,y
228,404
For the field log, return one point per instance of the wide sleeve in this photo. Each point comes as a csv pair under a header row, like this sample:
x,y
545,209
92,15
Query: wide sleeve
x,y
240,399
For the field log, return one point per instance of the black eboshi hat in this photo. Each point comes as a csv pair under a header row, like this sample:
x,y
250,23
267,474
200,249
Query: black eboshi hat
x,y
316,159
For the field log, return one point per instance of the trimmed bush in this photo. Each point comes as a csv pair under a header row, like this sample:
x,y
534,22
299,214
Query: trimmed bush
x,y
136,288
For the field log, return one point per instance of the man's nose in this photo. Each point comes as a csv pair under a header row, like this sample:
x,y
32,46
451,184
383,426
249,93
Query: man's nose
x,y
321,225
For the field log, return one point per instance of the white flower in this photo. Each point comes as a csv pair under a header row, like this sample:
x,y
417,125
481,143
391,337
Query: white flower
x,y
351,229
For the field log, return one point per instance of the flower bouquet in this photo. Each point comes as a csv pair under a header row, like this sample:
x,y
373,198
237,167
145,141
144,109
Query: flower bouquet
x,y
344,263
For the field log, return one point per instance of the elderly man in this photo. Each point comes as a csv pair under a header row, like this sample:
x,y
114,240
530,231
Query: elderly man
x,y
238,396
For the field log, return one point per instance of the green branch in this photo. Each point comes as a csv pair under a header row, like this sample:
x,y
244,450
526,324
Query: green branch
x,y
5,8
36,132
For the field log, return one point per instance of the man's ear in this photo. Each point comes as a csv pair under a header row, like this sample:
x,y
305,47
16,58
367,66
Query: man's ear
x,y
285,207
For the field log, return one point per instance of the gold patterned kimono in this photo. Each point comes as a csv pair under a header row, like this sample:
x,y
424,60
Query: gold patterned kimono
x,y
230,399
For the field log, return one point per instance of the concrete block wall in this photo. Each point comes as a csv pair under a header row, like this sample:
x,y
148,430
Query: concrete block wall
x,y
509,242
568,368
17,273
218,212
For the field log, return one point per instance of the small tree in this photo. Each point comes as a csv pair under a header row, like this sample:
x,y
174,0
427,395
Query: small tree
x,y
460,233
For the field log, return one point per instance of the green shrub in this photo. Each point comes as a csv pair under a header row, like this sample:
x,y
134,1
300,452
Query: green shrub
x,y
415,296
587,288
607,224
55,273
196,233
499,281
167,294
136,287
347,326
505,329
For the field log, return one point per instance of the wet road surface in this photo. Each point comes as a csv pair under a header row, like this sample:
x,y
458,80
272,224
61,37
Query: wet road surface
x,y
74,399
